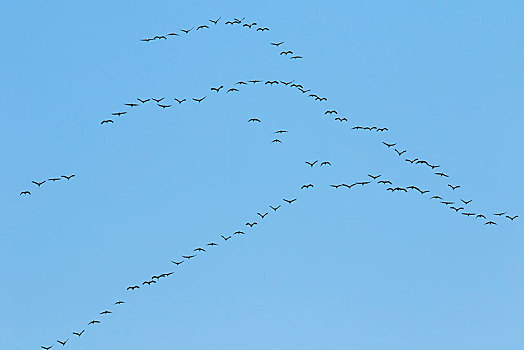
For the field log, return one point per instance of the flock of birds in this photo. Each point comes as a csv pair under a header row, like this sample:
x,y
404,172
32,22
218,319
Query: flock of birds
x,y
53,179
161,102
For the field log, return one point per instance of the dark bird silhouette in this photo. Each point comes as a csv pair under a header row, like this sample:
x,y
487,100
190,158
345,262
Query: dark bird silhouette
x,y
400,153
276,140
374,177
436,197
106,121
106,312
453,187
180,101
468,214
254,120
341,119
38,183
325,163
335,186
446,203
385,182
231,90
158,100
93,322
160,37
441,174
499,214
54,179
212,244
255,81
63,343
321,99
262,29
312,163
238,233
144,101
119,113
163,106
479,216
277,44
274,208
172,34
230,22
251,224
296,57
466,202
68,177
131,104
512,217
188,256
199,99
331,112
249,25
262,215
186,30
456,209
297,86
25,192
490,223
286,83
146,40
271,82
280,131
120,302
215,21
133,287
382,129
148,282
226,238
217,89
433,166
289,52
46,347
78,334
362,183
411,161
202,27
177,262
389,144
289,200
199,250
304,91
306,186
240,83
349,186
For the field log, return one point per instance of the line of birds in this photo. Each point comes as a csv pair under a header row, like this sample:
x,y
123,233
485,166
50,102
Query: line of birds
x,y
235,21
53,179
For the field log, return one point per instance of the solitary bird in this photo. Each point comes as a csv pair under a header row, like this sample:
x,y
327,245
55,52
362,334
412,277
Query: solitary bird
x,y
78,334
280,131
38,183
199,99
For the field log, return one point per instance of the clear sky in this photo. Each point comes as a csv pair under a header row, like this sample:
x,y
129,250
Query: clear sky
x,y
359,268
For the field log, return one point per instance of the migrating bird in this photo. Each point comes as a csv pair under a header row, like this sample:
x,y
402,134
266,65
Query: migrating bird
x,y
131,104
148,282
436,197
512,217
262,215
217,89
325,163
251,224
68,177
133,287
79,333
163,106
411,161
215,21
188,256
106,121
93,322
225,238
238,233
362,183
311,164
46,347
456,209
331,112
400,153
186,30
341,119
202,27
274,208
172,34
441,174
277,44
254,120
199,250
25,192
385,182
490,223
240,83
199,99
255,81
212,244
453,187
479,216
289,52
120,302
106,312
468,214
38,183
280,131
143,101
446,203
158,100
466,202
306,186
296,57
62,342
499,214
160,37
177,262
271,82
374,177
231,90
54,179
262,29
389,144
119,113
289,200
276,140
180,101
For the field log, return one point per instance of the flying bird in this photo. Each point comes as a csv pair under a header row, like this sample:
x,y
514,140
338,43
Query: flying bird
x,y
262,29
271,82
325,163
385,182
306,186
186,30
374,177
512,217
38,183
499,214
119,113
238,233
277,44
289,52
289,200
177,262
199,99
331,112
276,140
54,179
399,152
133,287
311,163
120,302
341,119
468,214
68,177
296,57
215,21
240,83
180,101
202,27
231,90
25,192
63,343
262,215
254,120
466,202
456,209
106,312
389,144
217,89
46,347
93,322
441,174
490,223
280,131
79,333
212,244
274,208
225,238
131,104
106,121
163,106
158,100
251,224
188,256
479,216
143,101
255,81
199,250
453,187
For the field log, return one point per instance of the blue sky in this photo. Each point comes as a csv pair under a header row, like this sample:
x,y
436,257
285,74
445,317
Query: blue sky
x,y
339,268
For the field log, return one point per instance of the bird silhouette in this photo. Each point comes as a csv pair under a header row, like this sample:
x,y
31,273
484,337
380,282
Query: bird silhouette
x,y
25,193
341,119
277,44
177,262
436,197
456,209
255,81
212,244
120,302
78,334
217,89
274,208
180,101
106,121
158,100
188,256
362,183
262,215
262,29
490,223
131,104
231,90
199,99
106,312
480,216
349,186
512,217
271,82
385,182
389,144
499,214
280,131
119,113
133,287
411,161
199,250
466,202
187,30
93,322
254,120
306,186
238,233
46,347
296,57
276,140
289,200
226,238
202,27
251,224
289,52
68,177
38,183
62,342
311,163
143,101
441,174
399,152
215,21
54,179
286,83
453,187
446,203
240,83
331,112
468,214
374,177
325,163
163,106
